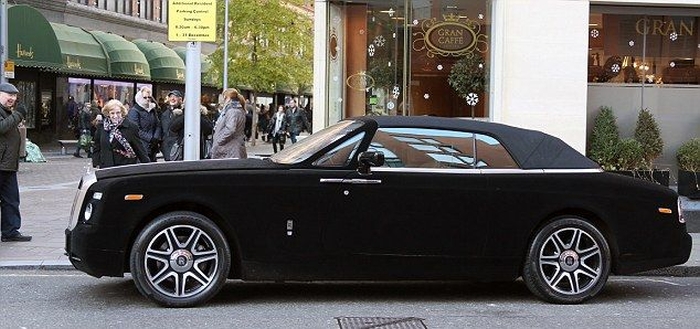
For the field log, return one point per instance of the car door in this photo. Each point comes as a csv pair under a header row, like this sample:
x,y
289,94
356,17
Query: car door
x,y
424,206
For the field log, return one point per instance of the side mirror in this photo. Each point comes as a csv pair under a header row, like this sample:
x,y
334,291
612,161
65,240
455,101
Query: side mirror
x,y
369,159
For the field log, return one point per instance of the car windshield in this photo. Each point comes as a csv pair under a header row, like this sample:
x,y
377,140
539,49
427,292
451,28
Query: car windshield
x,y
312,144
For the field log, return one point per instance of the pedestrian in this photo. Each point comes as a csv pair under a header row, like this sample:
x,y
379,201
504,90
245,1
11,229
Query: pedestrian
x,y
145,116
263,122
84,130
229,137
206,127
116,139
174,102
277,129
10,139
71,111
296,119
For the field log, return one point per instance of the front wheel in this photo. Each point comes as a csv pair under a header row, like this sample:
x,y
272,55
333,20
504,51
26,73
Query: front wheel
x,y
568,261
181,259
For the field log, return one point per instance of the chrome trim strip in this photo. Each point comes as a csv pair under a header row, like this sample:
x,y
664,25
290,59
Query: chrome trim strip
x,y
355,181
425,170
484,171
85,184
360,181
331,180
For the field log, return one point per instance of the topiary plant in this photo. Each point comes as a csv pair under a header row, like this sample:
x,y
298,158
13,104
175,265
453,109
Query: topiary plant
x,y
648,134
688,155
605,138
630,154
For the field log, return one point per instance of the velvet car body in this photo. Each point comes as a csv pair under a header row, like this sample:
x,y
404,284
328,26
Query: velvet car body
x,y
378,198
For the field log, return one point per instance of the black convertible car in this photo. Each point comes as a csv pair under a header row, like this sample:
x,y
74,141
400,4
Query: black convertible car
x,y
378,198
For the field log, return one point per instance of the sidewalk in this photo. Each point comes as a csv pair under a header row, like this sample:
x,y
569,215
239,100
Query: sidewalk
x,y
47,191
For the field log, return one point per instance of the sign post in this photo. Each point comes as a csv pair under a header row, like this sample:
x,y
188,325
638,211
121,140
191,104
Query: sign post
x,y
192,21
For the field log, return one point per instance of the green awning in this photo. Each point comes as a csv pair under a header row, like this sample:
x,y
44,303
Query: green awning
x,y
125,59
31,40
80,52
165,64
204,67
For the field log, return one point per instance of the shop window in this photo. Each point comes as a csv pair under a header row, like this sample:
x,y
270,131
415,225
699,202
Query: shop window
x,y
644,45
395,57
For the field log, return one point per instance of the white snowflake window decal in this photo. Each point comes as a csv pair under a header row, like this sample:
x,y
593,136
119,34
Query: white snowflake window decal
x,y
615,68
631,43
390,105
481,16
426,96
472,99
595,33
673,36
379,41
370,50
396,92
439,67
672,64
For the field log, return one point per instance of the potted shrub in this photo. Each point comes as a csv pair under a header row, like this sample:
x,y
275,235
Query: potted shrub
x,y
605,138
688,156
630,157
649,136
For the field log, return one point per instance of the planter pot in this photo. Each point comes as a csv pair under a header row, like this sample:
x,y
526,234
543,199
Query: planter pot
x,y
688,182
661,177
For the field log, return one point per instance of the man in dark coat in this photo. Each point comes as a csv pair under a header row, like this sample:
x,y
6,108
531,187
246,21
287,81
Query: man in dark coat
x,y
144,115
10,117
174,102
296,120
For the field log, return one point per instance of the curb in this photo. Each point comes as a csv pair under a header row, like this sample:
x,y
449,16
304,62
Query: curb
x,y
675,271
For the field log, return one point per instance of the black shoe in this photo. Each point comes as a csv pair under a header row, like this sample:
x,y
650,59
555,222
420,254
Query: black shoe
x,y
17,238
77,155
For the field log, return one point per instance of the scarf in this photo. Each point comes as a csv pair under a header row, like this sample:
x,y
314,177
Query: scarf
x,y
114,133
279,118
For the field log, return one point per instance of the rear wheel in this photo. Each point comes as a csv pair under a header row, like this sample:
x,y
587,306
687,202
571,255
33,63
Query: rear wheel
x,y
180,259
567,262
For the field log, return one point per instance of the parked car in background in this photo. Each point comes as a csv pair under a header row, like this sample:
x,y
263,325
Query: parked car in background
x,y
378,198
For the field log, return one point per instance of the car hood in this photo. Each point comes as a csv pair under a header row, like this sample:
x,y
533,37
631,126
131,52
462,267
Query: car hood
x,y
184,166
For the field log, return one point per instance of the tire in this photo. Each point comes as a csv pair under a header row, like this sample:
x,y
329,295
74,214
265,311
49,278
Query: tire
x,y
568,261
180,259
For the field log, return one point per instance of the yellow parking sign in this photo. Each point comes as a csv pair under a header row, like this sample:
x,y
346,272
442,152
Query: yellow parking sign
x,y
9,69
192,20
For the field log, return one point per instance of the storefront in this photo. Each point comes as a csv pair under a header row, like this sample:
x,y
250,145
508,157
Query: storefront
x,y
55,62
533,64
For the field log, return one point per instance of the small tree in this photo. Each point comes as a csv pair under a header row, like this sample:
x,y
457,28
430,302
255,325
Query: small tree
x,y
468,77
688,155
605,138
630,154
648,134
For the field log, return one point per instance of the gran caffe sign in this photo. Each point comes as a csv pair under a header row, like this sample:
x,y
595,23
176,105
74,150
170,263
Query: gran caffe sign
x,y
454,36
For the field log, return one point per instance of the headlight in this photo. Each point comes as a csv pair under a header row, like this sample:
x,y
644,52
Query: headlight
x,y
88,211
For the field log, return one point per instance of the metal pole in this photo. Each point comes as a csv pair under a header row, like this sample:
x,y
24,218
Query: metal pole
x,y
193,93
225,85
3,39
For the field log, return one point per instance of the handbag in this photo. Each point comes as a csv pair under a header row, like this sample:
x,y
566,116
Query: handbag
x,y
176,153
85,141
206,148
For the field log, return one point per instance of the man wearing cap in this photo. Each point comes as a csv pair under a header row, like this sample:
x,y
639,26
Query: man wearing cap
x,y
10,118
174,102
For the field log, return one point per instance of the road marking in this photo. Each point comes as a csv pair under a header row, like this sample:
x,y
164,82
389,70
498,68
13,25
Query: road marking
x,y
41,275
59,186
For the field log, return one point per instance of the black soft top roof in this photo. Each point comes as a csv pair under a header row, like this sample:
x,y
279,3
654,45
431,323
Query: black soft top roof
x,y
531,149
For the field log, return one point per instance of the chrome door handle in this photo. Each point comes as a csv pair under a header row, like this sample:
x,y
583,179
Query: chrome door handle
x,y
354,181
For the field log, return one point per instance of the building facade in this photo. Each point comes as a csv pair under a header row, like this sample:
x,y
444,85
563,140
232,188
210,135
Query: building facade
x,y
61,51
547,65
